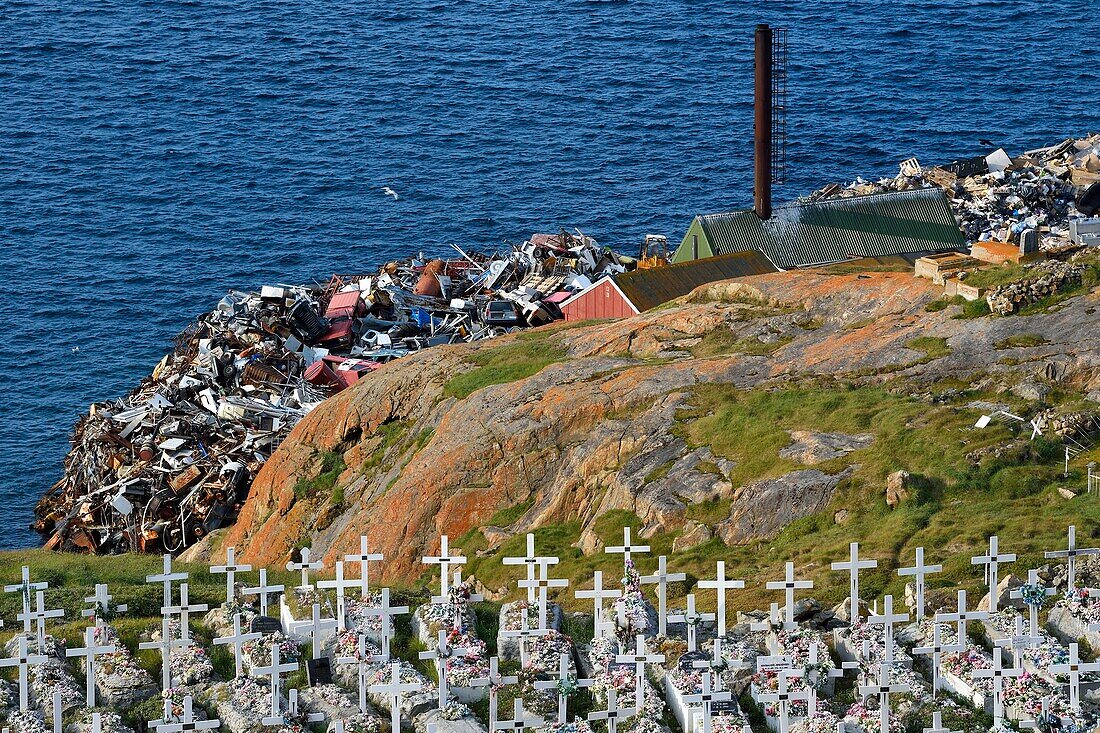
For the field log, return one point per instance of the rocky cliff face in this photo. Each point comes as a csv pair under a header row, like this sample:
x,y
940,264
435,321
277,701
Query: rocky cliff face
x,y
598,429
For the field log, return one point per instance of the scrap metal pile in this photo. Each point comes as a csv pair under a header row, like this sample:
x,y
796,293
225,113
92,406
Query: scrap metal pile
x,y
160,468
996,197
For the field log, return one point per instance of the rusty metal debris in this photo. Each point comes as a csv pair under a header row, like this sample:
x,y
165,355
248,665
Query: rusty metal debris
x,y
172,461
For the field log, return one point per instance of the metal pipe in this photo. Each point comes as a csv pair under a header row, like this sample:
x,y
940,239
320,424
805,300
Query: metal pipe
x,y
762,127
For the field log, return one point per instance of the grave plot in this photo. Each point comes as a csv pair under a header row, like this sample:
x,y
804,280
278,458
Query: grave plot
x,y
690,685
120,681
108,722
625,678
242,703
1076,616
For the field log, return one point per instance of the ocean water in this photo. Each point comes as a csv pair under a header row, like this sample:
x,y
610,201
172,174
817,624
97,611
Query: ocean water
x,y
155,153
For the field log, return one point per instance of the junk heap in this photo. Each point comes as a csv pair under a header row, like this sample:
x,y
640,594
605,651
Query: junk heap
x,y
997,198
172,461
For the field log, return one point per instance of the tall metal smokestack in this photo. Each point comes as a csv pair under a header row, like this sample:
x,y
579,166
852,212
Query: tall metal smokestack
x,y
762,123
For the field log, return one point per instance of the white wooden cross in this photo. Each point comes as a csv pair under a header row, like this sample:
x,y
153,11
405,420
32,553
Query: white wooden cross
x,y
364,558
496,681
292,708
662,578
1074,667
639,659
56,709
444,560
1032,609
523,633
90,651
340,584
101,605
788,586
887,620
918,571
442,652
543,584
184,611
1019,642
275,671
532,561
706,698
556,685
1094,593
936,651
165,647
25,588
263,591
24,660
883,689
1071,553
305,567
230,570
721,585
598,594
626,549
783,697
386,612
997,674
853,566
395,690
166,577
520,719
40,616
186,722
961,617
238,640
316,627
362,660
992,562
614,713
937,724
97,723
691,618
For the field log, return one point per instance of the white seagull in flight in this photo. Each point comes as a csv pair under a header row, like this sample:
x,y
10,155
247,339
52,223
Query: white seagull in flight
x,y
389,192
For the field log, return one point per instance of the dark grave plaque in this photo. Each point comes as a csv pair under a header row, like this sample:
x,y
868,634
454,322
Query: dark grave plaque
x,y
319,672
688,660
719,707
265,625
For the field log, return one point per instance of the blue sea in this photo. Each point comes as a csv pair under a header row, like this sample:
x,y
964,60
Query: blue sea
x,y
155,153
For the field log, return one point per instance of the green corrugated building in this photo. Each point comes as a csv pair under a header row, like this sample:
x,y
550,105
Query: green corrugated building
x,y
820,232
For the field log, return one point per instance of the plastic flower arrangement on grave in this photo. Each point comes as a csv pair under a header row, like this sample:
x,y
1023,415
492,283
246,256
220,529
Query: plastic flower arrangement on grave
x,y
730,723
223,615
513,614
948,632
257,653
962,665
602,651
567,686
687,681
823,722
867,719
26,721
408,675
544,652
250,695
295,723
1082,606
630,609
174,697
118,668
191,665
1046,654
1026,693
797,643
357,612
1033,594
108,722
455,711
331,694
362,723
51,678
576,726
305,598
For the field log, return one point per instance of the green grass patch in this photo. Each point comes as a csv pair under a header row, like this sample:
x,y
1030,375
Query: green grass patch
x,y
509,515
723,341
332,465
1020,341
510,362
994,276
933,347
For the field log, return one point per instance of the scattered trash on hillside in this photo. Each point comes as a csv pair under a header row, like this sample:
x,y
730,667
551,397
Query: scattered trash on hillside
x,y
173,460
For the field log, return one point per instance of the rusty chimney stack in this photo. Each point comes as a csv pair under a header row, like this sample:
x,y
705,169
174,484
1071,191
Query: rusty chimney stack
x,y
762,123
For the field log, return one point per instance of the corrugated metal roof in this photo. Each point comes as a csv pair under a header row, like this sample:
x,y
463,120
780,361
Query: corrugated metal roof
x,y
810,233
650,288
